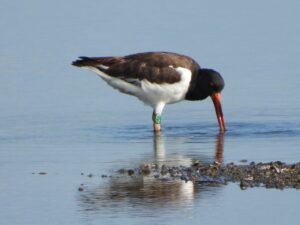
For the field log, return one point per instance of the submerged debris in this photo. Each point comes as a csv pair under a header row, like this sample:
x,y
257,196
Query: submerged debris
x,y
270,175
43,173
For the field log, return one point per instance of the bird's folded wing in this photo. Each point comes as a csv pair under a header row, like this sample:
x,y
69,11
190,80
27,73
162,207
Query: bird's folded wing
x,y
154,67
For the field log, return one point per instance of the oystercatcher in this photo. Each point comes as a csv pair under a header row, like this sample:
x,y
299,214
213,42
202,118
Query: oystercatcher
x,y
159,78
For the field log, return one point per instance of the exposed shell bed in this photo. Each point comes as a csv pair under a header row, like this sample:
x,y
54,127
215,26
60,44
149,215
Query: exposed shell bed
x,y
270,175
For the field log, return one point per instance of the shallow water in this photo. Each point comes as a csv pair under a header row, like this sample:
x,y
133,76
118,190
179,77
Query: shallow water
x,y
66,122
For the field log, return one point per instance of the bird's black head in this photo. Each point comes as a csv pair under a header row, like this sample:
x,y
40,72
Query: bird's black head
x,y
210,82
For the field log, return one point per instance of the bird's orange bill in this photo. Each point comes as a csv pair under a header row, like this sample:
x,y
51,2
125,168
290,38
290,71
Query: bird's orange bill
x,y
216,98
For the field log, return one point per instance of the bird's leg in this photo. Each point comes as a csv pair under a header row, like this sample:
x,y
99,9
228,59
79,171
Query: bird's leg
x,y
156,118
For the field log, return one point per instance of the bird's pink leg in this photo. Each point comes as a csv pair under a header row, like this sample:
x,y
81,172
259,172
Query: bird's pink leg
x,y
156,127
156,122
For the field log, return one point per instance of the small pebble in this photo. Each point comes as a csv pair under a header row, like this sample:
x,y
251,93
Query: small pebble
x,y
244,185
146,169
196,163
122,171
130,172
80,189
164,170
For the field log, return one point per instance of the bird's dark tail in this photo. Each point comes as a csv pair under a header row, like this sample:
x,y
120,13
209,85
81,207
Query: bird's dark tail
x,y
85,61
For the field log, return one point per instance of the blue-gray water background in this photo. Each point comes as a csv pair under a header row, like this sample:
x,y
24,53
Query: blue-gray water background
x,y
58,119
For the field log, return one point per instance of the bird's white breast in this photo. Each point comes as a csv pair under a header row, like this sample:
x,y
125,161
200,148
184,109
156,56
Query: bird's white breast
x,y
167,93
150,93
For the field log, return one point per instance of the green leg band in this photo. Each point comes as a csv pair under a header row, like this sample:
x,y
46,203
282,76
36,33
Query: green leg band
x,y
156,118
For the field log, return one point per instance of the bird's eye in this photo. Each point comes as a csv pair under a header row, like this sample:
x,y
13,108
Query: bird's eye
x,y
214,87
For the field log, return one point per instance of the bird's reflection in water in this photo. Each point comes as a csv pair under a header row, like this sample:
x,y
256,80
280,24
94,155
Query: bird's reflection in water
x,y
148,191
162,157
219,148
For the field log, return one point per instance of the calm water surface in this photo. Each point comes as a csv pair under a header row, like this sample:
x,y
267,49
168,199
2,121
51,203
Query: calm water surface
x,y
66,122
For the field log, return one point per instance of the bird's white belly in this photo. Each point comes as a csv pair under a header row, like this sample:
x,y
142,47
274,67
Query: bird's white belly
x,y
152,93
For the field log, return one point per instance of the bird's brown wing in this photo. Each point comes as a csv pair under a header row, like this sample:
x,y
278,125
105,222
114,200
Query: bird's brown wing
x,y
156,67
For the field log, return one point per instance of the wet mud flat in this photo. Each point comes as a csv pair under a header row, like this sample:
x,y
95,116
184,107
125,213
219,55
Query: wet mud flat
x,y
276,174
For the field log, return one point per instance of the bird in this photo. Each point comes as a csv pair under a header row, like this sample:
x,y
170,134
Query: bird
x,y
158,79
